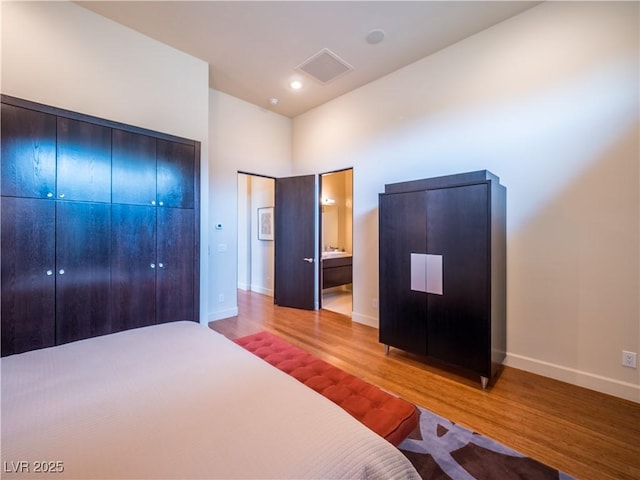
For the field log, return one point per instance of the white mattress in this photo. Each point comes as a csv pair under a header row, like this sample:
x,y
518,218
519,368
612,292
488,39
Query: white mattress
x,y
176,400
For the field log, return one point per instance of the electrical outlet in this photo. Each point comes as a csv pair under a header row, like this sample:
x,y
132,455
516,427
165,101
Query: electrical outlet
x,y
374,303
629,359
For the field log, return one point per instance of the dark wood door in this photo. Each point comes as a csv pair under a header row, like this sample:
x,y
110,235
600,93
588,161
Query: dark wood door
x,y
133,168
458,229
295,239
84,161
402,231
82,270
133,266
175,266
28,153
176,174
28,280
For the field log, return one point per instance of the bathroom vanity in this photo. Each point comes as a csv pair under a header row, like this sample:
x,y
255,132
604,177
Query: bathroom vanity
x,y
336,269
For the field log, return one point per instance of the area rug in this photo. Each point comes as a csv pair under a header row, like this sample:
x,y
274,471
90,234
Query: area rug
x,y
442,449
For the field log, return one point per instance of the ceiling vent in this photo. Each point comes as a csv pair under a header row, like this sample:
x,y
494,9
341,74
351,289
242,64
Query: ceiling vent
x,y
325,66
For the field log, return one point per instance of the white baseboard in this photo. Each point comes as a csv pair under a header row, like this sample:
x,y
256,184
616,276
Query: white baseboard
x,y
264,291
244,286
220,314
365,319
610,386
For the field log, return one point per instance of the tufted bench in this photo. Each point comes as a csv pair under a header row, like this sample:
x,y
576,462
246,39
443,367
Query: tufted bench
x,y
385,414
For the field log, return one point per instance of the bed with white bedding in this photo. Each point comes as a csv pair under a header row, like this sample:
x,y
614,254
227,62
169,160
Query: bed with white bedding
x,y
176,400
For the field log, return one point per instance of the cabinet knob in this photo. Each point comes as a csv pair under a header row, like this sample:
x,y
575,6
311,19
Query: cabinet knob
x,y
49,273
61,195
161,265
161,203
49,194
61,271
153,265
153,202
308,260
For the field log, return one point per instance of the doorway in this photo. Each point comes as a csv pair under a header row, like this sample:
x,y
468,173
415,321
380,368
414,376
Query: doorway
x,y
336,241
256,251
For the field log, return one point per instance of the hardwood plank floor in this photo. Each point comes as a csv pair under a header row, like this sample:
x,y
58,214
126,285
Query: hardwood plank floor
x,y
583,433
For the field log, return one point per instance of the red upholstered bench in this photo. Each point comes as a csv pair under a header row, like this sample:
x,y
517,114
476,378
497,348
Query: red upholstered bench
x,y
388,416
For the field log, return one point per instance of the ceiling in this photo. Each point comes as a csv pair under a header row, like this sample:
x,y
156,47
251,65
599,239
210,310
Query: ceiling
x,y
253,48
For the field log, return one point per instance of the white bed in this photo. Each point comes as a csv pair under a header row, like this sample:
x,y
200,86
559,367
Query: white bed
x,y
176,400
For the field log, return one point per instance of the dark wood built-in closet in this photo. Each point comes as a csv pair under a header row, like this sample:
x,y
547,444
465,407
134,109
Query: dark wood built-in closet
x,y
100,226
443,270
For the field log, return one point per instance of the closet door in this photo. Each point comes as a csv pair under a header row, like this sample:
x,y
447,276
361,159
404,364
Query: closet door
x,y
82,270
175,174
175,286
458,229
402,231
28,153
133,168
28,280
84,161
133,266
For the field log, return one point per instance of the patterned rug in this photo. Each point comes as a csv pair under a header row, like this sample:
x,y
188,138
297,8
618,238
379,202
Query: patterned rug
x,y
444,450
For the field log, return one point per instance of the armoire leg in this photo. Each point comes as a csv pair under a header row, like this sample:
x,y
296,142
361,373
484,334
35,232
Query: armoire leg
x,y
386,349
484,381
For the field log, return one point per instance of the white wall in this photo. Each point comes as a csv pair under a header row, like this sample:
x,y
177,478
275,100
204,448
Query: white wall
x,y
60,54
548,101
246,138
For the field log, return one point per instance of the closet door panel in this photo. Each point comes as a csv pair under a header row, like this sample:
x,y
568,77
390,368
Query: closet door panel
x,y
458,229
133,266
175,266
133,168
82,270
403,312
28,282
28,153
84,161
176,174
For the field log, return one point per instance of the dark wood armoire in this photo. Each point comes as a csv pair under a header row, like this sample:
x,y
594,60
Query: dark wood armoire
x,y
442,267
100,226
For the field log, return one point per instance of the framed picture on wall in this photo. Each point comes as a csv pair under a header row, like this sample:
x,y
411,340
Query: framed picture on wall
x,y
265,223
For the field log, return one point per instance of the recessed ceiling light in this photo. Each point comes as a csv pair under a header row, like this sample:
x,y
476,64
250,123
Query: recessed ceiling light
x,y
274,101
375,36
296,84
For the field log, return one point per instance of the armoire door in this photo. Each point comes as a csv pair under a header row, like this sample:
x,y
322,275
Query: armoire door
x,y
133,166
175,266
458,229
133,266
28,280
402,231
28,153
82,270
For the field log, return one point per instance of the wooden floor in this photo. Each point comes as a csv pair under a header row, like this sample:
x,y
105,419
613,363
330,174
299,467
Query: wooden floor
x,y
583,433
